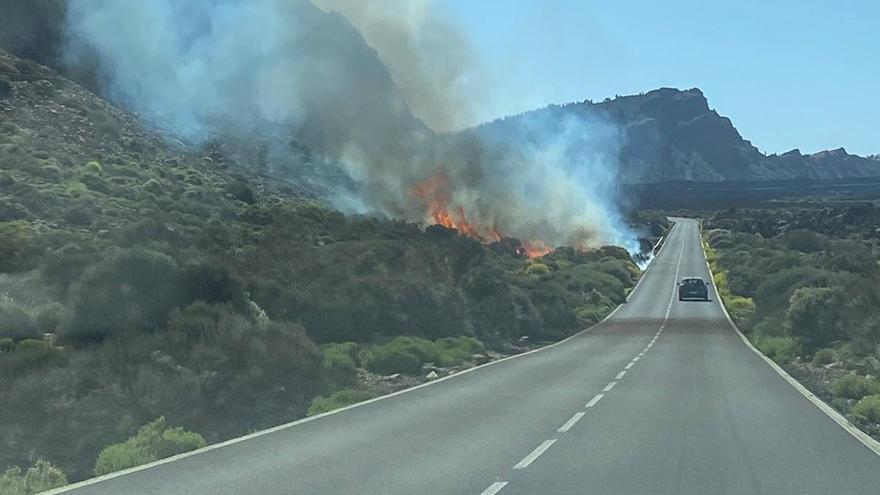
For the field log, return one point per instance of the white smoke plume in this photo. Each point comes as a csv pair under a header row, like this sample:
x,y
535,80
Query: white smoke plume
x,y
345,82
430,60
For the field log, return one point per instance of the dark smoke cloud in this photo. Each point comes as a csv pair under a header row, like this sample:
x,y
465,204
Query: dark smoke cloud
x,y
200,68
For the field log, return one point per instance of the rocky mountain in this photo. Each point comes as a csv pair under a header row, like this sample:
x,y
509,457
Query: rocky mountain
x,y
673,135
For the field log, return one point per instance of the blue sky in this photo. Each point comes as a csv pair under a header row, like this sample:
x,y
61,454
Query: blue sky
x,y
789,74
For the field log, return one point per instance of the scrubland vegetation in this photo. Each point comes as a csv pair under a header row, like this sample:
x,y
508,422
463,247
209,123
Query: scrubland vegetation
x,y
804,283
139,281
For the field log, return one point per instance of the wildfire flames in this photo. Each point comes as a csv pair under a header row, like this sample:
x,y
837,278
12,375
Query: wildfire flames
x,y
434,194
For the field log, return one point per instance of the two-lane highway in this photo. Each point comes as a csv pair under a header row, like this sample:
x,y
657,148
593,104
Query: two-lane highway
x,y
661,398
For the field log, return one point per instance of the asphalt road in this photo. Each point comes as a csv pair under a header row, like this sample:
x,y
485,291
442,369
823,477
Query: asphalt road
x,y
662,398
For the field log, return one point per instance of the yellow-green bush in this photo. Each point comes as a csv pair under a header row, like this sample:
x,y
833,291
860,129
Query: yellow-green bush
x,y
153,441
340,398
783,350
340,362
93,167
868,408
408,354
40,477
740,308
537,269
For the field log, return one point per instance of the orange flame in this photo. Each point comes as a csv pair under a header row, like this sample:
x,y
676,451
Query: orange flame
x,y
434,193
536,249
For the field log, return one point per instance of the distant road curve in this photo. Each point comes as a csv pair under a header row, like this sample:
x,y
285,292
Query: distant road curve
x,y
664,397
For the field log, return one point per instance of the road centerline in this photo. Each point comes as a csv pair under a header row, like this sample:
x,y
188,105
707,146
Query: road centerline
x,y
494,488
540,449
571,422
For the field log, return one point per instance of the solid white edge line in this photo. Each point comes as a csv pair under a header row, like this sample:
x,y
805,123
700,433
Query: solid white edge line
x,y
595,400
571,422
494,488
609,387
838,418
232,441
540,449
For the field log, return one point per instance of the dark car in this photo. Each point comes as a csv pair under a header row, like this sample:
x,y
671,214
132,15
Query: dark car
x,y
693,288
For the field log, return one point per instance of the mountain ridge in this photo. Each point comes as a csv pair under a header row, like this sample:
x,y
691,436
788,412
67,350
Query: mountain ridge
x,y
672,135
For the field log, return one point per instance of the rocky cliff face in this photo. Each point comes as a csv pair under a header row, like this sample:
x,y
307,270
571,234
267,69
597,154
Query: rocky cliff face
x,y
670,134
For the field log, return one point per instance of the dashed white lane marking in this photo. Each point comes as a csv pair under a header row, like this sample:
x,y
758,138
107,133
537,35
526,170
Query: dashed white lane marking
x,y
609,387
535,454
628,366
568,424
494,488
620,375
636,359
595,400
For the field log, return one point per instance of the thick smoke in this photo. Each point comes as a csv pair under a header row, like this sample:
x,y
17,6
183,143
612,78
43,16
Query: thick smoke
x,y
287,70
430,60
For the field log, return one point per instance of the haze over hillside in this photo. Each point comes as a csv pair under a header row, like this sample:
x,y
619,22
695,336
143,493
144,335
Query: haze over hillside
x,y
346,114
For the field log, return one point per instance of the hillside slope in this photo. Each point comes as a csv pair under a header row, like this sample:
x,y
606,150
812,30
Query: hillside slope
x,y
142,278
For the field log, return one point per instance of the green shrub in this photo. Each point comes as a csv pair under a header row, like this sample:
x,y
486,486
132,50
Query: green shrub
x,y
823,357
769,327
153,186
93,167
340,362
740,308
587,315
852,386
817,315
783,350
408,354
388,359
16,246
868,408
457,350
39,478
340,398
6,345
17,323
537,269
34,345
153,441
51,316
132,290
